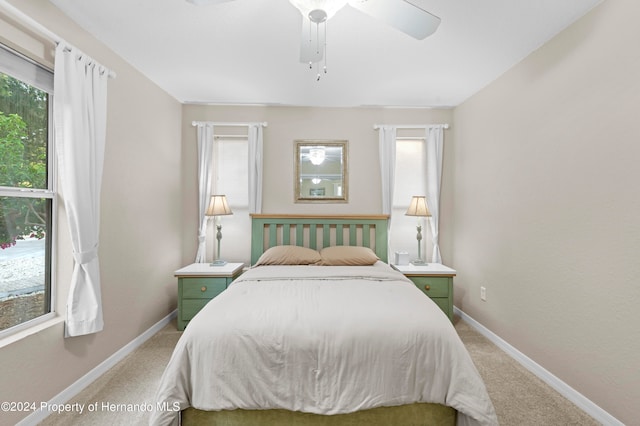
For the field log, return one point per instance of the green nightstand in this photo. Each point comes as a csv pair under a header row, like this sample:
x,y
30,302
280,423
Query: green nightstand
x,y
435,280
198,283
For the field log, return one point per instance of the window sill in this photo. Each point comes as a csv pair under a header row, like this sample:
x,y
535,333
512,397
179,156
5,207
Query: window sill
x,y
44,324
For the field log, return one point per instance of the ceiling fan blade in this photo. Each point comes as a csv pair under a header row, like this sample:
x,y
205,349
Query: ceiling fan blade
x,y
206,2
311,41
400,14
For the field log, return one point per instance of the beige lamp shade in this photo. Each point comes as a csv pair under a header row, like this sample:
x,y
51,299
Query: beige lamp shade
x,y
218,206
418,207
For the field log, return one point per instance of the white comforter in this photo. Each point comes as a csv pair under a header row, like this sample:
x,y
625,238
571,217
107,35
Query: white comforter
x,y
325,340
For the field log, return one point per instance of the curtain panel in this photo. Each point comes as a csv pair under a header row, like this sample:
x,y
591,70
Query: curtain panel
x,y
434,139
255,168
387,154
387,151
205,171
80,117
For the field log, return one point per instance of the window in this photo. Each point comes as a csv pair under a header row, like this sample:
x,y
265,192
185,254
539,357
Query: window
x,y
410,180
27,194
231,178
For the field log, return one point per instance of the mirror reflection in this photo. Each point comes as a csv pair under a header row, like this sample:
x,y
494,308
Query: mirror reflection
x,y
321,171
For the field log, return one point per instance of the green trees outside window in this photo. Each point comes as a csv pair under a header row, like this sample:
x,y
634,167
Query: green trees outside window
x,y
23,159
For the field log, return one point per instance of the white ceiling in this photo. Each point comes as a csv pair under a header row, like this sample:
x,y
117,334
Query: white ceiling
x,y
247,51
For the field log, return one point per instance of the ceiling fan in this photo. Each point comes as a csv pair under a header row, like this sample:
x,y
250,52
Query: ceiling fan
x,y
400,14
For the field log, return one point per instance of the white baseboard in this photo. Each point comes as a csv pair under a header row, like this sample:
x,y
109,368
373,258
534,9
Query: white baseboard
x,y
564,389
84,381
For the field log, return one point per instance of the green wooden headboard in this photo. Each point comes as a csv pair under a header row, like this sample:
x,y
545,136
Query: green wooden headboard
x,y
317,232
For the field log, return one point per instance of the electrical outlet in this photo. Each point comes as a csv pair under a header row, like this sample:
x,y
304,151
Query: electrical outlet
x,y
483,293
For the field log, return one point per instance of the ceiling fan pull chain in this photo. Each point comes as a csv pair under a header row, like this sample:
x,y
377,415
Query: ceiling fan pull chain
x,y
310,38
317,38
325,47
318,50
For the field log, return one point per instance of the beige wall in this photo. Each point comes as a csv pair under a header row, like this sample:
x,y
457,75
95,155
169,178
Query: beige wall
x,y
140,231
547,202
286,124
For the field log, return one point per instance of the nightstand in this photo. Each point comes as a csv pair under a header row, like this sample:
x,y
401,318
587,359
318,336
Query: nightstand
x,y
435,280
198,283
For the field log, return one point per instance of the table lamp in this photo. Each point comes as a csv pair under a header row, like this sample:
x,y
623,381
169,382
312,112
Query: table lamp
x,y
418,207
218,207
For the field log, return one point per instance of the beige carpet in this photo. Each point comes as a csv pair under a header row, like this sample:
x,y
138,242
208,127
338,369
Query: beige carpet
x,y
520,399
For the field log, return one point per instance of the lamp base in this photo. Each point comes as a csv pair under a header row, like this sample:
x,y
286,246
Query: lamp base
x,y
419,262
218,262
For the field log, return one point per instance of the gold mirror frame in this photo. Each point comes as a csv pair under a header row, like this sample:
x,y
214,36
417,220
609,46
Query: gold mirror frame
x,y
326,181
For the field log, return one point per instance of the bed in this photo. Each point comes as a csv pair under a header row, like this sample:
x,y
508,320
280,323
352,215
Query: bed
x,y
321,331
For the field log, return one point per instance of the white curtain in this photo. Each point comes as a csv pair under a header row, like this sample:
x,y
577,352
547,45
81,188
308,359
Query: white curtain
x,y
255,168
80,120
387,154
205,171
434,140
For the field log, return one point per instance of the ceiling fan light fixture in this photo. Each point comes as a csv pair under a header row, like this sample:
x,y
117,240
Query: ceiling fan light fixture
x,y
318,16
317,155
330,7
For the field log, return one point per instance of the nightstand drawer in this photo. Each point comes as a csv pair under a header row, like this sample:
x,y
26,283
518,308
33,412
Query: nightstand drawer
x,y
202,288
190,307
442,302
432,286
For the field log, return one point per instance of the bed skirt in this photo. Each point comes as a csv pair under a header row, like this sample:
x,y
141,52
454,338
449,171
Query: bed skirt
x,y
418,414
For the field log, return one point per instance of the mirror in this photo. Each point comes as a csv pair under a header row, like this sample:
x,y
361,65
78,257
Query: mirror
x,y
321,171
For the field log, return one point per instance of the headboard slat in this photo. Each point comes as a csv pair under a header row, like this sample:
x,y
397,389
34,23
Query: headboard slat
x,y
353,235
299,235
286,235
326,235
273,235
339,234
366,236
313,235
